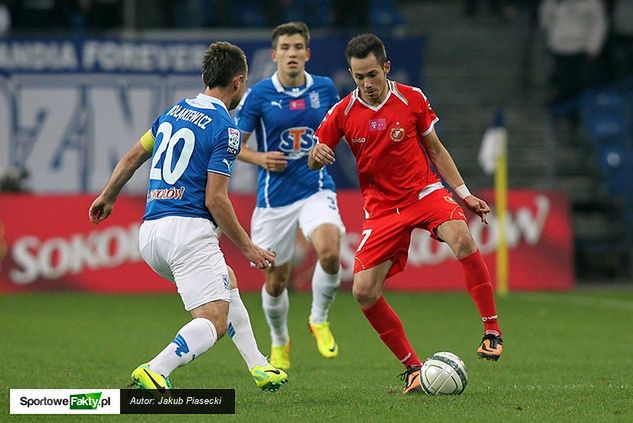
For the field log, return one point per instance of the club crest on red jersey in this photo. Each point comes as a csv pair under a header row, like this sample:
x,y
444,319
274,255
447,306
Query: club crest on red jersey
x,y
396,133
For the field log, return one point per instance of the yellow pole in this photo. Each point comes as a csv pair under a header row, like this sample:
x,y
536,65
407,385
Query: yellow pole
x,y
501,201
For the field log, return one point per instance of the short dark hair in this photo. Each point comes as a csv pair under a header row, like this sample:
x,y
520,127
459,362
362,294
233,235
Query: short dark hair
x,y
291,28
362,45
222,61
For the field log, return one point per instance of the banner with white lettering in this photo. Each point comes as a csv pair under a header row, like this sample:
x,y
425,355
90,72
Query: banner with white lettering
x,y
47,243
70,108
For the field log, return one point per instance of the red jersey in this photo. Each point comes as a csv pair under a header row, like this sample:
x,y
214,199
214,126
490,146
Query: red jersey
x,y
386,140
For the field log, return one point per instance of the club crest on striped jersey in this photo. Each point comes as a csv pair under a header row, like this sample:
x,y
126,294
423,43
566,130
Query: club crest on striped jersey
x,y
315,100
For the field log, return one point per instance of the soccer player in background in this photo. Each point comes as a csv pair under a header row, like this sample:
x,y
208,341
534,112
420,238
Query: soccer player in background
x,y
284,111
390,130
193,145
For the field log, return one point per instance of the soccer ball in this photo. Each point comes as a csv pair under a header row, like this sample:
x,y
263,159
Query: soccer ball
x,y
444,373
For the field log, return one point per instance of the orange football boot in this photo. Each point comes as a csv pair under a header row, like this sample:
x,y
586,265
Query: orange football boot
x,y
491,347
412,378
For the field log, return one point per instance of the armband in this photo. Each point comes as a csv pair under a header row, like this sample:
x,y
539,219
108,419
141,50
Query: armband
x,y
462,191
147,141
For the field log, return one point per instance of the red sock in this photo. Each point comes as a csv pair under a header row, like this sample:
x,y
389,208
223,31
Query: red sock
x,y
480,289
388,325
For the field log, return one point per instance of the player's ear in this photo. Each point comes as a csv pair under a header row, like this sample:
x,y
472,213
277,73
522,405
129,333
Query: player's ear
x,y
273,55
308,53
387,67
238,80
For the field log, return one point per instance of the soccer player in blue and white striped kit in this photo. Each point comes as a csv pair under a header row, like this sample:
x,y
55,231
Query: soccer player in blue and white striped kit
x,y
284,111
193,145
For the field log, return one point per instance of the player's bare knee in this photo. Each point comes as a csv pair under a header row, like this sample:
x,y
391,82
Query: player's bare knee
x,y
464,245
365,296
330,262
275,286
216,312
277,279
219,322
221,327
461,243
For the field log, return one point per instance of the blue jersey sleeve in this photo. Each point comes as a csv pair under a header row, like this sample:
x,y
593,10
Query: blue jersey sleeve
x,y
155,125
248,114
226,147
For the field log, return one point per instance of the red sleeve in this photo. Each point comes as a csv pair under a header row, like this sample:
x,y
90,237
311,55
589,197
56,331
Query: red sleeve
x,y
427,117
330,131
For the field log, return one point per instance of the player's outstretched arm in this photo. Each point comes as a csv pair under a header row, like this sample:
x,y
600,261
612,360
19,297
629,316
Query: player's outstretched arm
x,y
320,155
101,207
447,168
220,207
273,161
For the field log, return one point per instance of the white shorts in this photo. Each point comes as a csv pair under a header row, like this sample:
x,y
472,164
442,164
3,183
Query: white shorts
x,y
274,228
185,251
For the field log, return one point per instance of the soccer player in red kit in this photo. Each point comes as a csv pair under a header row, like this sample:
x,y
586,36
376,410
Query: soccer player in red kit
x,y
390,130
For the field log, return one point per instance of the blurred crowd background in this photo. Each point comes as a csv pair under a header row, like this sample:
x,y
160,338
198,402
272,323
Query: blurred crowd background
x,y
561,71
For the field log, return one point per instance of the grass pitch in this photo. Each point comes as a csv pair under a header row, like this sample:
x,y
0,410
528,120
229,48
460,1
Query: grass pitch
x,y
567,357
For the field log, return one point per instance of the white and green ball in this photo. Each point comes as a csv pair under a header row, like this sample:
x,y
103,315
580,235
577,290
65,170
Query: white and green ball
x,y
444,373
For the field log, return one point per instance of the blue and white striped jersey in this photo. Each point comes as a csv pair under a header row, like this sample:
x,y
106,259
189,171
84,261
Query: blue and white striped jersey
x,y
191,138
285,119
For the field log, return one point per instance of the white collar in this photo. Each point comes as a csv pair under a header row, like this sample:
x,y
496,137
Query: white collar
x,y
391,86
204,101
280,88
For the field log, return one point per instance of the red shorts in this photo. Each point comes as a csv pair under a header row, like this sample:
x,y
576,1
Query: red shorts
x,y
387,236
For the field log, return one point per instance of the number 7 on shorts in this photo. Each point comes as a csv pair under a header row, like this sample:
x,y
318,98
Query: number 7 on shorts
x,y
365,235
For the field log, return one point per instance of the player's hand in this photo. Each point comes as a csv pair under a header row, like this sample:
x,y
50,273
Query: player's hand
x,y
100,210
273,161
322,154
477,206
258,257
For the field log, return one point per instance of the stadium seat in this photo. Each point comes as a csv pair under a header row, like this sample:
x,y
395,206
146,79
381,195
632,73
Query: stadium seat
x,y
617,167
384,13
315,13
251,14
607,118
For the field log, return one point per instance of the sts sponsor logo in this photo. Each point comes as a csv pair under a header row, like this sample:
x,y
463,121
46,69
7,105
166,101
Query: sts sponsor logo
x,y
297,141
